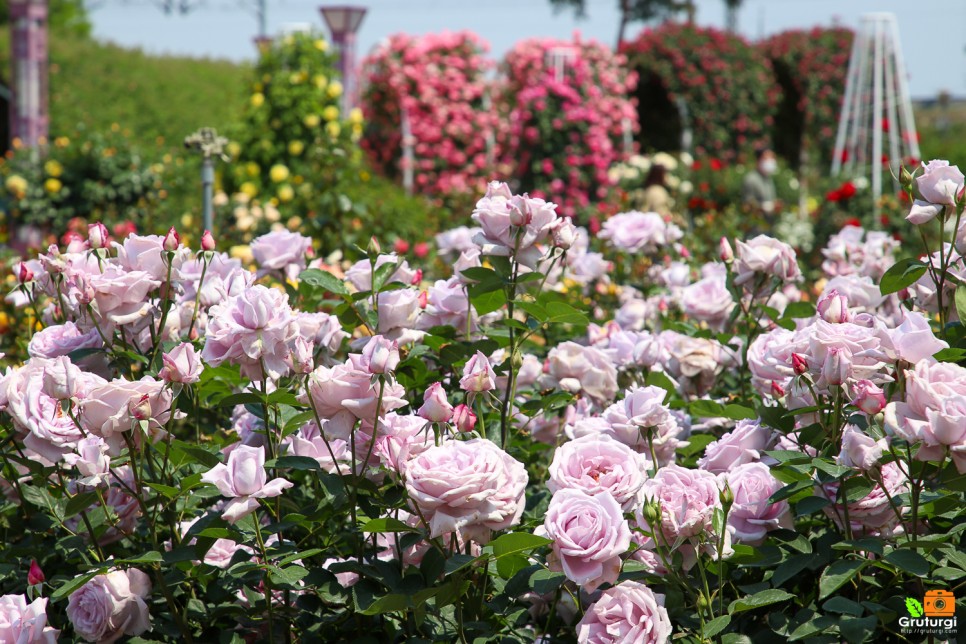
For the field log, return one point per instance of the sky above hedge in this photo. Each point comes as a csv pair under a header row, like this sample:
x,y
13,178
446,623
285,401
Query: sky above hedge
x,y
933,35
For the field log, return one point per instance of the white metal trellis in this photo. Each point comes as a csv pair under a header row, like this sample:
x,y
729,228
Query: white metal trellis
x,y
876,101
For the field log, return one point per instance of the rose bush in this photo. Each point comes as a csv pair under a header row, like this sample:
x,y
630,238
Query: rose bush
x,y
554,435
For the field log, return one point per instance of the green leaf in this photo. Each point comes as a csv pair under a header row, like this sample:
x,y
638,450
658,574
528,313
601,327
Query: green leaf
x,y
458,562
148,557
901,274
197,454
837,575
799,310
858,630
763,598
387,524
489,301
481,274
961,301
513,542
72,585
386,604
167,491
659,379
294,463
509,565
843,606
914,607
909,561
383,273
544,582
323,280
565,314
42,498
950,354
716,625
79,503
711,409
289,576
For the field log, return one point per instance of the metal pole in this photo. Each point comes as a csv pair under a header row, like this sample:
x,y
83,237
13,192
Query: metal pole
x,y
851,87
408,156
28,114
876,162
895,154
909,122
207,183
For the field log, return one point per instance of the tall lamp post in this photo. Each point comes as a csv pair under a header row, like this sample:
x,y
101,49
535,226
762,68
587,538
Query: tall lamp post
x,y
28,117
344,21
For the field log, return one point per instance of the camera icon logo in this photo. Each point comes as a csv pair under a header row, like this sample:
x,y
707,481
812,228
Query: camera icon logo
x,y
939,603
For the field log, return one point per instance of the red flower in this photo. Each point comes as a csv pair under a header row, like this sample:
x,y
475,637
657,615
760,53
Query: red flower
x,y
853,221
716,164
847,190
834,196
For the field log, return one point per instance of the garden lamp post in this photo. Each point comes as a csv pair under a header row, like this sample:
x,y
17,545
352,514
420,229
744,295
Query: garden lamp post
x,y
344,21
210,145
28,117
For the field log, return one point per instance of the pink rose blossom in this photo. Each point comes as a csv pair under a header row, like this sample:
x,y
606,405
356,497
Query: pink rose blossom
x,y
436,407
859,450
243,479
751,514
181,364
688,499
869,397
629,613
110,606
596,464
282,252
639,232
940,183
766,257
584,370
112,408
91,460
478,375
61,339
23,623
464,419
744,444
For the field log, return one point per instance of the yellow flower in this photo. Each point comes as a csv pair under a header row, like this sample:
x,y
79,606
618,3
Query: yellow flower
x,y
295,148
312,120
115,127
242,252
333,129
4,322
335,89
356,130
252,169
53,185
285,193
258,99
248,188
53,168
320,81
234,149
330,113
364,175
321,45
294,223
355,115
16,185
295,78
278,173
187,220
61,141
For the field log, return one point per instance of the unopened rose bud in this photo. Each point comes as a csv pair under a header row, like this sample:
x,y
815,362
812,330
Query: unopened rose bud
x,y
777,390
436,407
207,241
520,212
421,250
35,575
905,177
423,299
833,307
652,513
172,240
303,356
97,235
401,246
837,367
24,274
725,252
373,249
464,419
141,408
564,233
417,277
799,364
381,355
727,497
869,397
478,375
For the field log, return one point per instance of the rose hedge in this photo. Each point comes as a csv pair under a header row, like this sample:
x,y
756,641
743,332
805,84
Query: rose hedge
x,y
727,85
811,66
602,439
568,118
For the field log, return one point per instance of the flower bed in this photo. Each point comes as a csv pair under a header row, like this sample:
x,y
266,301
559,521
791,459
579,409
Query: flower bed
x,y
548,435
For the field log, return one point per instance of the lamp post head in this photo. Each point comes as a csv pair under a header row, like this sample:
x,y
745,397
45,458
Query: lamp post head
x,y
343,20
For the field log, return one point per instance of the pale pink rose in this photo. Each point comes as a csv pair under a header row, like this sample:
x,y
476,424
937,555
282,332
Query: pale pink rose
x,y
346,579
469,487
380,355
921,212
243,479
23,623
91,459
688,499
589,535
146,253
301,356
497,211
398,309
400,439
436,407
645,424
348,389
97,235
469,258
478,375
281,252
933,413
360,273
869,397
596,464
770,358
110,606
114,407
859,450
752,516
940,183
464,419
530,370
222,551
833,307
837,368
224,278
914,340
639,232
447,304
62,380
708,300
765,257
456,240
629,613
331,454
584,370
253,330
874,514
695,362
121,297
864,351
181,364
744,444
861,295
321,330
61,339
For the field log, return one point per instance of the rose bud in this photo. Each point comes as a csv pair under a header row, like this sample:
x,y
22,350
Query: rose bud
x,y
97,235
435,406
776,389
837,367
401,246
303,356
564,233
423,299
834,307
869,397
24,274
421,250
141,409
478,375
799,364
35,575
381,355
725,252
181,364
207,241
417,277
464,418
172,240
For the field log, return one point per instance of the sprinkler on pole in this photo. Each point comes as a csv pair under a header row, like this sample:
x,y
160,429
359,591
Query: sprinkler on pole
x,y
210,145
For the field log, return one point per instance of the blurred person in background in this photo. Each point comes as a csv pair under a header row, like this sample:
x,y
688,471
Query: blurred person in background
x,y
656,196
758,186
